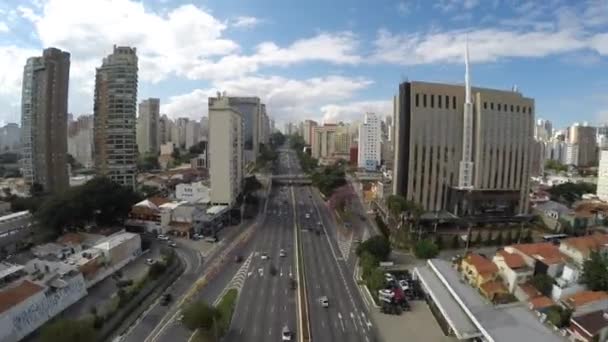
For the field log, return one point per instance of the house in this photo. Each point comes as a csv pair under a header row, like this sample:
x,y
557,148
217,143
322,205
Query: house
x,y
525,292
14,230
512,268
579,248
553,213
540,303
194,192
543,257
585,301
592,326
478,270
147,214
567,283
493,289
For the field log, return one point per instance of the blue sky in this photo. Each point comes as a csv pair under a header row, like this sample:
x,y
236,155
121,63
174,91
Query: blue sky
x,y
328,60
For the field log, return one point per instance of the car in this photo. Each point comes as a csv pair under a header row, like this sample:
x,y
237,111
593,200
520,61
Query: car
x,y
211,239
150,261
172,244
166,299
307,215
261,271
264,256
238,259
405,286
324,301
286,334
389,277
362,217
162,237
282,253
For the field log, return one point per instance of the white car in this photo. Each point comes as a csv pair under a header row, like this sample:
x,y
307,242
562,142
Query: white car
x,y
264,256
162,237
286,334
307,215
282,253
404,285
388,277
150,261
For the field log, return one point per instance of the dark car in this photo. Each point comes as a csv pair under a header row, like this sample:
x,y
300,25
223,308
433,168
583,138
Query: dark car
x,y
166,299
238,259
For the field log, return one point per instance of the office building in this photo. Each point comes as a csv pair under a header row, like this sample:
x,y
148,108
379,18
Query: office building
x,y
584,139
193,133
80,140
543,130
343,139
115,116
148,127
602,176
250,109
179,132
44,120
226,151
462,149
165,127
370,142
308,129
10,138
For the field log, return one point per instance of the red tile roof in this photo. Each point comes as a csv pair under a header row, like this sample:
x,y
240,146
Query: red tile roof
x,y
530,290
481,264
513,260
158,201
546,252
491,287
587,244
540,303
585,297
16,294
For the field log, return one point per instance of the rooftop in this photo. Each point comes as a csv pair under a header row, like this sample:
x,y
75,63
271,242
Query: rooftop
x,y
13,216
585,297
16,294
591,322
586,244
481,264
546,252
493,286
513,260
540,303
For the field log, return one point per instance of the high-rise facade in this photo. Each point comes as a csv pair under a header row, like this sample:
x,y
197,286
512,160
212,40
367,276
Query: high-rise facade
x,y
432,135
80,140
583,137
370,141
165,126
193,133
324,141
602,176
44,110
115,116
10,138
148,130
543,130
309,126
225,151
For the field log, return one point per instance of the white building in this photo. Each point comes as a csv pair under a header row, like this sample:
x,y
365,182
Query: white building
x,y
602,176
193,133
192,192
370,141
225,152
148,129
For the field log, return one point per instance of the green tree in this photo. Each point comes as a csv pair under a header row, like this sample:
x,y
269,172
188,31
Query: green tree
x,y
375,281
200,315
426,249
396,205
455,241
569,192
66,330
368,263
148,162
543,283
555,165
378,246
198,148
594,272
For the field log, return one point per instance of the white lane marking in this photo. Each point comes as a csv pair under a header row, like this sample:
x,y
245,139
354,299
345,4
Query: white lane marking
x,y
341,322
352,316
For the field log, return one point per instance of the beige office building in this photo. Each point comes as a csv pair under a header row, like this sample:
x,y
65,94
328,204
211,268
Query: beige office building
x,y
583,139
225,151
44,120
148,130
308,131
324,141
431,135
115,116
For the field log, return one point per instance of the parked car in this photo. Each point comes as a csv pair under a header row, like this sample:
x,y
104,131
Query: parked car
x,y
307,215
211,239
162,237
389,277
166,299
264,256
172,244
150,261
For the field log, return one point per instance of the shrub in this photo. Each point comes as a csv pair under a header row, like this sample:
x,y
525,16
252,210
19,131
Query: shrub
x,y
426,249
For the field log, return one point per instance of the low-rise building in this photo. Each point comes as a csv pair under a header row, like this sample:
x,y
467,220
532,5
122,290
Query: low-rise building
x,y
553,214
579,248
195,192
512,268
14,229
543,257
478,270
567,284
592,326
585,301
147,214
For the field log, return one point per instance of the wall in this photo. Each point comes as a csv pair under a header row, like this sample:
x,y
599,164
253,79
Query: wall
x,y
30,314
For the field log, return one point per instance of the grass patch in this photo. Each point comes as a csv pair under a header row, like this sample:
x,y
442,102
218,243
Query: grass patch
x,y
226,308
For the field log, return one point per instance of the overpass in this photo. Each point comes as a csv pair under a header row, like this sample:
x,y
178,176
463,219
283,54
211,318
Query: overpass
x,y
292,179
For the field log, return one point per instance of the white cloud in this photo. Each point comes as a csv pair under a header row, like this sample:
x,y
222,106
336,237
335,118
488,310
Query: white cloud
x,y
485,45
10,79
450,5
352,111
286,99
245,21
3,27
403,8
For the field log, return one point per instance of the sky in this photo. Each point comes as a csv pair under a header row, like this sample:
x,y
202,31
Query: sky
x,y
325,60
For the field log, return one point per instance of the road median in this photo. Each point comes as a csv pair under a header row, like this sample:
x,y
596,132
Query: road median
x,y
303,315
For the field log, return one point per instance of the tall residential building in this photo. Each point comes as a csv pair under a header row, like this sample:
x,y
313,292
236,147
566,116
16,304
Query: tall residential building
x,y
193,133
324,141
115,116
10,137
44,110
205,128
148,127
584,138
250,109
543,130
165,126
461,149
179,132
602,176
308,128
80,140
342,139
370,141
225,151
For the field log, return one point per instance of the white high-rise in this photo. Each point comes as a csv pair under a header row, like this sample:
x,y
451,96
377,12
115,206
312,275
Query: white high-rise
x,y
226,151
602,176
370,143
148,129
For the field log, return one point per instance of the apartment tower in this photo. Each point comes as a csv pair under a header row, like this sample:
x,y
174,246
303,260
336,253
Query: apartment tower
x,y
148,127
370,142
115,116
462,149
44,119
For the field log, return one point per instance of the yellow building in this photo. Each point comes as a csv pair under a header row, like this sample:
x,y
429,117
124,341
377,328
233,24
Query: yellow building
x,y
478,270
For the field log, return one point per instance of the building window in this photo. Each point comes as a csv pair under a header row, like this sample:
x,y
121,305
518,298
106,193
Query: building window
x,y
499,107
424,100
417,102
453,102
439,101
432,101
523,110
517,108
511,108
485,105
492,105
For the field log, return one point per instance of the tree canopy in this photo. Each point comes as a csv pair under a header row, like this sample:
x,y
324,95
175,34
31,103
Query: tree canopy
x,y
571,192
277,139
594,272
542,283
99,200
200,315
378,246
148,162
426,249
555,165
66,330
329,178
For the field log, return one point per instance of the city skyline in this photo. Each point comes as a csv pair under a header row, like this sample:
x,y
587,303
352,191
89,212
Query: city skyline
x,y
326,69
